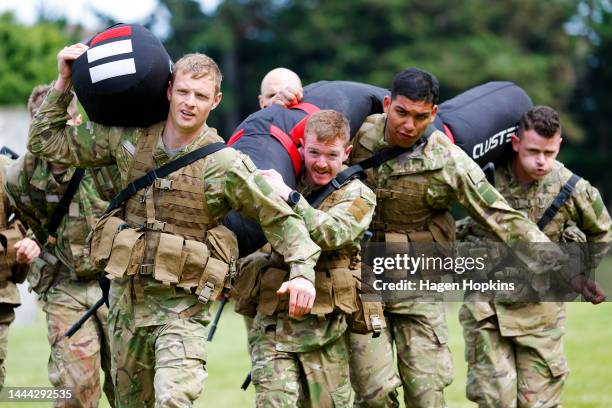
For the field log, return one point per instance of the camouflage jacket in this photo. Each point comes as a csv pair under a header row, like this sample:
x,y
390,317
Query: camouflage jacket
x,y
584,209
430,178
230,183
8,290
35,192
337,226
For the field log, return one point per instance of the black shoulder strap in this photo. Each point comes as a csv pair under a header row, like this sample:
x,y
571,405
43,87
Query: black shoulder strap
x,y
559,200
161,172
64,204
316,198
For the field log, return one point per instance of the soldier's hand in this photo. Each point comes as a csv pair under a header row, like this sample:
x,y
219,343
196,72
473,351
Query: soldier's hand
x,y
301,296
288,97
27,250
589,289
64,64
275,180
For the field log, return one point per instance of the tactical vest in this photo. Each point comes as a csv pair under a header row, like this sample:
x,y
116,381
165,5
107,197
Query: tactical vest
x,y
337,283
534,206
168,232
77,225
402,212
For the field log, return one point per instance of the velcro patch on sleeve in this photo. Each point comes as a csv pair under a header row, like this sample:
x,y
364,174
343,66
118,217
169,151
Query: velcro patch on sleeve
x,y
488,193
359,208
249,163
598,204
476,174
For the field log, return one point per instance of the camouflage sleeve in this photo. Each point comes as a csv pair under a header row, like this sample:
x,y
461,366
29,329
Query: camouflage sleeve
x,y
15,191
593,219
345,222
462,179
232,182
86,145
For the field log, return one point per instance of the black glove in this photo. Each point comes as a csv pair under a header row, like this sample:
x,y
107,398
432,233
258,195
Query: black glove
x,y
105,286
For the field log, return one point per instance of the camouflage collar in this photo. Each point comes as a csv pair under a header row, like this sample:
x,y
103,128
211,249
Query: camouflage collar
x,y
160,154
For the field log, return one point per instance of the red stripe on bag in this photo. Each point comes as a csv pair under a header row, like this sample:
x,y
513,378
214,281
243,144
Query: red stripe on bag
x,y
124,31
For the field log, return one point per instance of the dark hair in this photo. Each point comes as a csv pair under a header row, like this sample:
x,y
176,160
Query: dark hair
x,y
543,119
416,85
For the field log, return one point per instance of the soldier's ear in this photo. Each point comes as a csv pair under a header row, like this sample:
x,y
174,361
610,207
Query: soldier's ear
x,y
386,103
516,141
169,90
217,101
434,112
347,152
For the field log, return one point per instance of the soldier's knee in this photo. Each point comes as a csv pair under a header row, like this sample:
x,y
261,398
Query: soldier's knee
x,y
383,398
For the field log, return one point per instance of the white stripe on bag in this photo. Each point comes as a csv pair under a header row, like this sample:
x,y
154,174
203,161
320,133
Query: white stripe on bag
x,y
112,69
108,50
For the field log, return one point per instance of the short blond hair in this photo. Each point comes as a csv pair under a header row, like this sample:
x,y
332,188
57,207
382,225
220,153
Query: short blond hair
x,y
328,125
199,65
37,96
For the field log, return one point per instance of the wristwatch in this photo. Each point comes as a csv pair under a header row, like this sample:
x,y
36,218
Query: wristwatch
x,y
293,198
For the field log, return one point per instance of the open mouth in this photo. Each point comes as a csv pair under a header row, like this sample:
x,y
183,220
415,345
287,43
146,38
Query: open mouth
x,y
187,113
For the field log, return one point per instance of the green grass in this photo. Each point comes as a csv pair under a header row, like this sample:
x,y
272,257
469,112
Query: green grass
x,y
587,346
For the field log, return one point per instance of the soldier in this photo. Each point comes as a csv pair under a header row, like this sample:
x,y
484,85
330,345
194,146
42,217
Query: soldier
x,y
414,193
16,255
378,378
63,276
164,250
515,351
307,359
281,86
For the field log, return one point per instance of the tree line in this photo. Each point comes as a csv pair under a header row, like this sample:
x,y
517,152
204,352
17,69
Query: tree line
x,y
559,51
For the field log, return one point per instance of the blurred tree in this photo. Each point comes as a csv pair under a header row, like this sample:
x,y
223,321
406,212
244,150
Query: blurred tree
x,y
28,55
591,100
463,43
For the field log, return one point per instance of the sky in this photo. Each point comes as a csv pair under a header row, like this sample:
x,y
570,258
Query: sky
x,y
79,11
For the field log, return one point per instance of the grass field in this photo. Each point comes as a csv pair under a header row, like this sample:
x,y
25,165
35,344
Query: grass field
x,y
587,344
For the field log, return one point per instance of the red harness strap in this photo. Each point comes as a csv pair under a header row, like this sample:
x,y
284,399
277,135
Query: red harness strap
x,y
290,147
298,130
290,141
449,134
235,137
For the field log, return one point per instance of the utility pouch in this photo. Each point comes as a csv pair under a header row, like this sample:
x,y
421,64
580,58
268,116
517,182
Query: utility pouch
x,y
103,235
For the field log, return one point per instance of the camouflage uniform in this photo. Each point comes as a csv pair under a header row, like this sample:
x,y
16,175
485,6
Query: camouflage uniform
x,y
158,330
414,193
63,275
515,350
9,294
305,362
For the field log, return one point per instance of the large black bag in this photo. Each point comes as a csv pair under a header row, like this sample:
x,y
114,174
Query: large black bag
x,y
122,79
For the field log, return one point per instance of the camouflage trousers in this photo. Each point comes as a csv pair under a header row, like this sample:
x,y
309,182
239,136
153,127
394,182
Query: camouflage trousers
x,y
373,374
318,378
508,372
161,366
75,362
7,315
420,335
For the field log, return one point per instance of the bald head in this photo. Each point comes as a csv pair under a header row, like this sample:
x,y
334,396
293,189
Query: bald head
x,y
274,82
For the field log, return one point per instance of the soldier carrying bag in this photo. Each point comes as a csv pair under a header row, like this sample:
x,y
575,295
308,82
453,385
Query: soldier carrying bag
x,y
102,244
118,249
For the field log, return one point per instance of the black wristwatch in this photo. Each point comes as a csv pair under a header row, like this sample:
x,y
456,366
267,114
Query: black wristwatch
x,y
293,198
